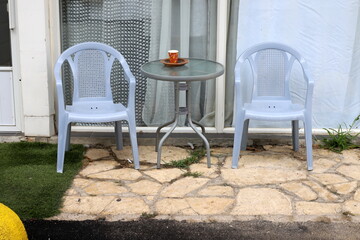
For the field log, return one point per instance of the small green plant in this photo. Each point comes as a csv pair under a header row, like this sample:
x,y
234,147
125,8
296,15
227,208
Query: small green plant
x,y
146,215
341,138
195,157
348,213
192,174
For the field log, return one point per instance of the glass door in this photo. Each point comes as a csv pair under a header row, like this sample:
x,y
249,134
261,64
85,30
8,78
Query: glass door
x,y
7,106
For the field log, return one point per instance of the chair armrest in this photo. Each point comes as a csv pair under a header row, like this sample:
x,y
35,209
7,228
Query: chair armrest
x,y
60,97
132,87
238,103
310,85
237,89
59,83
307,73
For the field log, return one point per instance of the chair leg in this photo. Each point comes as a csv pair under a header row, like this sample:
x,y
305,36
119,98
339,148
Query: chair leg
x,y
62,139
239,126
118,135
245,135
308,141
68,136
133,139
295,135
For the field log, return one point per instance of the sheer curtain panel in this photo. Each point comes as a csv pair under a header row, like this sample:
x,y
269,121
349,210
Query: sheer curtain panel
x,y
145,30
327,34
190,27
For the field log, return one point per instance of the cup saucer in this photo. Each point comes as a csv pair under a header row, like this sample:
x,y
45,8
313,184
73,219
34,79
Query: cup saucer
x,y
181,62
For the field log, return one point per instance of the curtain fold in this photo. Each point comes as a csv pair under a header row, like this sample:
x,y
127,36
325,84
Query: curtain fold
x,y
185,25
231,54
159,97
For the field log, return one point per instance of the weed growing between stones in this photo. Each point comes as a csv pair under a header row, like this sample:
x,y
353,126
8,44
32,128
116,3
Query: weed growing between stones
x,y
195,157
146,215
341,138
193,174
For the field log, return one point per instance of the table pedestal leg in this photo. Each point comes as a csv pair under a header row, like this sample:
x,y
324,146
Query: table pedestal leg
x,y
158,132
182,87
163,140
200,125
191,123
175,121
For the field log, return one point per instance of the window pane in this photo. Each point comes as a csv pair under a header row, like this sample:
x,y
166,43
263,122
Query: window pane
x,y
5,47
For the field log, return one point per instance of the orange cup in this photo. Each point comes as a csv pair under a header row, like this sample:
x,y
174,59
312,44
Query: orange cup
x,y
173,56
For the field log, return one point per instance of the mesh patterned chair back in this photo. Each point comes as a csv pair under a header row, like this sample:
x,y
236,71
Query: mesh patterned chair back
x,y
91,75
269,82
271,65
90,65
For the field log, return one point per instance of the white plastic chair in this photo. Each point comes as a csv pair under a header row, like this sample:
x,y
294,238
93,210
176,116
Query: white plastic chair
x,y
92,101
271,65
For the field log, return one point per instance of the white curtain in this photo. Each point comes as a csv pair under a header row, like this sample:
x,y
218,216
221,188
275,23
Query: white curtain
x,y
190,27
327,34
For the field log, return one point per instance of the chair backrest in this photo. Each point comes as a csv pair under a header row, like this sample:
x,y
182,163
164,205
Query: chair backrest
x,y
271,65
91,64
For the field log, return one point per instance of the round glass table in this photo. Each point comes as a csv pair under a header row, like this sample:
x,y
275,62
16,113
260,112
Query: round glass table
x,y
194,70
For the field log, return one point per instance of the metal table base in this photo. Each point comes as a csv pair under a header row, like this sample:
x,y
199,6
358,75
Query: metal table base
x,y
181,86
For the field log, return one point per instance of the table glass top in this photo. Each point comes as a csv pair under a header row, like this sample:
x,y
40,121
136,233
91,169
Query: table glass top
x,y
194,70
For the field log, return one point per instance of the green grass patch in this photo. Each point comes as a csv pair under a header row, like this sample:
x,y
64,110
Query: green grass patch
x,y
195,157
29,183
146,215
341,138
193,174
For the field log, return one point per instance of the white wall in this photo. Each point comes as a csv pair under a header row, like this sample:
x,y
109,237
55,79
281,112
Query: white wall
x,y
36,69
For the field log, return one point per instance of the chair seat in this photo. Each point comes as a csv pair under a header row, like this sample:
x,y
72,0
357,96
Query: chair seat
x,y
276,111
93,112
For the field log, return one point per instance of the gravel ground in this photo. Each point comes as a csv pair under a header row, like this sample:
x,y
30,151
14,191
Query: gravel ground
x,y
167,229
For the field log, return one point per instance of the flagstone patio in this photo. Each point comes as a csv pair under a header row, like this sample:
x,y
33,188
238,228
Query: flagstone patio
x,y
271,183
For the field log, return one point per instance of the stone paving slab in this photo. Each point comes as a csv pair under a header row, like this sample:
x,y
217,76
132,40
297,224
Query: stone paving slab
x,y
271,183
